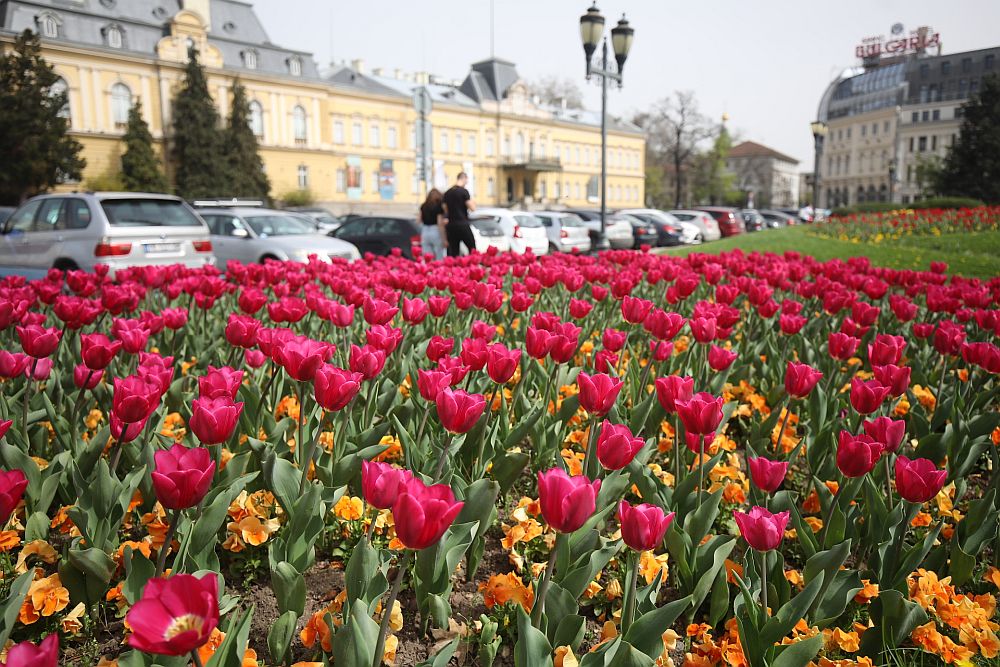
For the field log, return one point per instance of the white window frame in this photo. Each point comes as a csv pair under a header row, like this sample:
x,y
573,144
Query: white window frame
x,y
121,104
300,124
257,119
374,135
392,137
338,131
303,177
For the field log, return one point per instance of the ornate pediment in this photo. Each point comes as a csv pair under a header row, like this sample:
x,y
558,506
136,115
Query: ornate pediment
x,y
188,29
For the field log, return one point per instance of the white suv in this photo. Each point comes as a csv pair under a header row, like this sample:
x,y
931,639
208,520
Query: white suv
x,y
522,228
119,229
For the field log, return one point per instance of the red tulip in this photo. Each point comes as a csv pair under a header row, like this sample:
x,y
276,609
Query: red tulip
x,y
224,381
454,367
241,330
377,311
473,353
761,529
579,309
135,398
704,329
13,364
918,480
634,309
948,338
698,444
133,335
897,378
213,420
254,358
175,615
438,347
431,383
767,475
537,342
384,338
458,410
501,363
791,324
598,392
661,349
613,340
605,361
182,476
123,432
923,329
5,426
841,346
857,454
97,350
12,486
562,348
367,360
800,379
702,413
175,318
26,654
643,526
37,341
887,432
301,356
867,396
663,325
415,311
381,483
438,305
616,446
39,369
336,387
86,378
423,513
567,502
719,358
673,388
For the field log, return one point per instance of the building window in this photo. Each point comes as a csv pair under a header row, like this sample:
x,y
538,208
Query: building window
x,y
443,141
299,127
915,117
303,177
338,131
506,145
973,86
295,66
458,143
489,146
864,130
491,187
257,119
356,137
48,23
885,127
966,65
415,184
472,144
374,136
934,143
963,88
342,181
250,59
375,182
936,114
911,144
519,146
391,138
946,68
989,61
593,188
121,103
557,190
922,144
578,155
874,129
925,70
60,88
543,190
113,37
959,112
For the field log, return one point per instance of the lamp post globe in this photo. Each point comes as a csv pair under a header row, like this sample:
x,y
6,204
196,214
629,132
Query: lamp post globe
x,y
819,130
591,31
621,42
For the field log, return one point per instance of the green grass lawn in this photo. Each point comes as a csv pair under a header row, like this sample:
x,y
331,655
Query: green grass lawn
x,y
970,254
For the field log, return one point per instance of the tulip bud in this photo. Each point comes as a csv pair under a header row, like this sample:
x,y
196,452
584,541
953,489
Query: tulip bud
x,y
213,420
761,529
12,486
767,475
702,413
181,476
671,389
857,454
918,480
567,502
643,526
458,410
800,379
616,447
598,392
381,483
26,654
336,387
421,514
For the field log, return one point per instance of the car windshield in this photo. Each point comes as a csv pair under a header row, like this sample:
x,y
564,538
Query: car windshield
x,y
571,220
487,226
528,221
279,225
148,212
683,216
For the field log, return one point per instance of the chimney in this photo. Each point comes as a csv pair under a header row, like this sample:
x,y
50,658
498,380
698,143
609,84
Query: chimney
x,y
199,7
358,65
376,71
562,104
398,74
422,78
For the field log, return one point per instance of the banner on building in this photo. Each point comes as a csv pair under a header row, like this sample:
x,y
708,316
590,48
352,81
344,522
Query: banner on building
x,y
354,184
440,177
386,180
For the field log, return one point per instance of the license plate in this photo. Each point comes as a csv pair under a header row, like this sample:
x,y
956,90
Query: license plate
x,y
161,248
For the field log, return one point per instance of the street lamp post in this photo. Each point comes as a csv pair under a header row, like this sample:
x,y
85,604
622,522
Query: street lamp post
x,y
591,32
892,179
819,129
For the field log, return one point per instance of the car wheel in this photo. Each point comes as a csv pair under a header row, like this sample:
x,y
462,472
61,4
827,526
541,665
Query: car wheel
x,y
64,264
267,257
699,239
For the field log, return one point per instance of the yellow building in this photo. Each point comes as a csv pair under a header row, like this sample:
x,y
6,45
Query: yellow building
x,y
348,135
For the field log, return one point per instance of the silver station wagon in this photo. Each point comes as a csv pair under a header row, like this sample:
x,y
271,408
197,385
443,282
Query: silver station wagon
x,y
119,229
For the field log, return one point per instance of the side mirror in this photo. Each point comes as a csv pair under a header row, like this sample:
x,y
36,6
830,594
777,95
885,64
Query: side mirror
x,y
241,233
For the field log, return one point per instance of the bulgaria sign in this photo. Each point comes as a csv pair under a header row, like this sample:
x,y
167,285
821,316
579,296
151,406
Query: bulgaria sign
x,y
876,47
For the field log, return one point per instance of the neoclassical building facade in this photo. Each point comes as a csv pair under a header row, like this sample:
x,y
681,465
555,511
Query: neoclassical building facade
x,y
347,134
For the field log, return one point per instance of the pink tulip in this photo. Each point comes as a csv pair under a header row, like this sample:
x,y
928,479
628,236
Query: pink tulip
x,y
643,526
422,513
567,502
761,529
175,615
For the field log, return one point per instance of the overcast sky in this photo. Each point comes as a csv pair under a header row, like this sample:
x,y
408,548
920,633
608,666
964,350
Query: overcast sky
x,y
764,62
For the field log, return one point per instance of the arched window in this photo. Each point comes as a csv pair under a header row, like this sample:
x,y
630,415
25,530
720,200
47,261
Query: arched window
x,y
114,37
519,146
257,119
60,88
250,59
121,103
299,124
295,66
48,24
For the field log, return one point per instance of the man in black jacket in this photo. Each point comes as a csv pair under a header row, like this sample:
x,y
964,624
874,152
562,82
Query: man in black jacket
x,y
457,206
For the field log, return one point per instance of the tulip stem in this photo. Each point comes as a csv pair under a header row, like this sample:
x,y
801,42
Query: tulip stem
x,y
591,446
628,613
370,533
161,559
310,452
829,514
119,446
543,584
784,423
27,400
439,470
701,466
197,659
383,629
763,583
888,483
940,388
677,451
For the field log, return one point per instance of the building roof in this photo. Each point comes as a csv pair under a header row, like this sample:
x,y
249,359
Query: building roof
x,y
234,28
753,149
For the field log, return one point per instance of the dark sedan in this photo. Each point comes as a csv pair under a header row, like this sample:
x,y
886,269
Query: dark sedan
x,y
753,221
776,219
643,231
379,235
729,219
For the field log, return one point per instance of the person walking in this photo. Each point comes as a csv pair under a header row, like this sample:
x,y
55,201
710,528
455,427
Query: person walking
x,y
433,237
457,206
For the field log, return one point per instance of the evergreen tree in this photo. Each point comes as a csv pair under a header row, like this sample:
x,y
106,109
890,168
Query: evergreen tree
x,y
140,166
200,166
35,150
972,168
246,169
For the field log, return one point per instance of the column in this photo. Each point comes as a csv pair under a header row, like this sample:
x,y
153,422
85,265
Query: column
x,y
100,98
86,98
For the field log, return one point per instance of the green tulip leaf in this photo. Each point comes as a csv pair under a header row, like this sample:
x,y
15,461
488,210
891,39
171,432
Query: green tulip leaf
x,y
646,632
532,648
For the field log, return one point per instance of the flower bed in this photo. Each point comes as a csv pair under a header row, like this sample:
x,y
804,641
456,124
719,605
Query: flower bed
x,y
893,225
624,460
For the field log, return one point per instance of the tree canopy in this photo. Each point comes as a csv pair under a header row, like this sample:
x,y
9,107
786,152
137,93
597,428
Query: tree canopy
x,y
972,167
201,168
140,166
246,169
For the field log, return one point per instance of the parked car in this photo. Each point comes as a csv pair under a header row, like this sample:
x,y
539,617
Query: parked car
x,y
5,212
617,230
670,231
776,219
380,234
118,229
326,222
753,221
566,231
523,229
729,220
257,234
704,221
644,231
488,233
